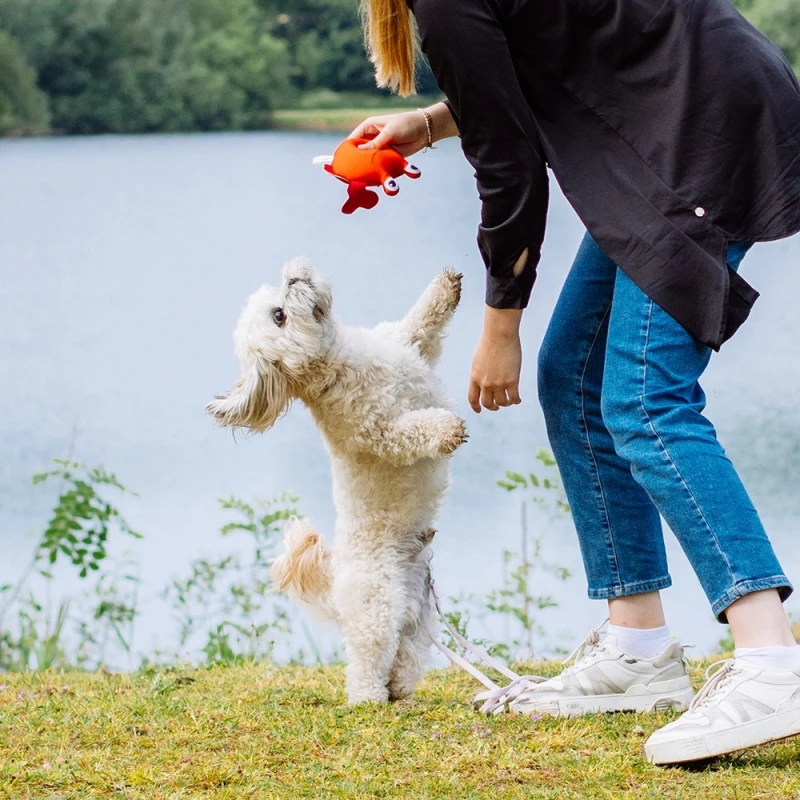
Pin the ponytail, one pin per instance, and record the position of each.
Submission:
(391, 43)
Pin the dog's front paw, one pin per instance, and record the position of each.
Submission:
(454, 435)
(449, 285)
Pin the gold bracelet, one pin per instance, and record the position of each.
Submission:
(429, 126)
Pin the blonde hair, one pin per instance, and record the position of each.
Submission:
(391, 43)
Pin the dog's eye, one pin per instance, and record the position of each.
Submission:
(278, 317)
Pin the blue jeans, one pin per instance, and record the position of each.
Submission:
(618, 383)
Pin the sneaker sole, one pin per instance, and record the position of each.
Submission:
(719, 743)
(638, 699)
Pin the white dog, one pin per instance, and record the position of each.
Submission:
(390, 431)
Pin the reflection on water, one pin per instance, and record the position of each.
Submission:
(125, 263)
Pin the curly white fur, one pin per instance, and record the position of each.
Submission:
(389, 429)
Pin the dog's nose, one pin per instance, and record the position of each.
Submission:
(293, 281)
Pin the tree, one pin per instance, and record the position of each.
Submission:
(237, 71)
(778, 20)
(23, 108)
(136, 66)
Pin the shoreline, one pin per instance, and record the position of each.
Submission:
(319, 120)
(338, 120)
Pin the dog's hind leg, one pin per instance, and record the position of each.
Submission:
(409, 663)
(415, 641)
(367, 601)
(425, 323)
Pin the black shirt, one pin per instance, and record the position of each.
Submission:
(672, 126)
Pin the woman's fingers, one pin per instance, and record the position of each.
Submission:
(501, 398)
(488, 399)
(383, 138)
(496, 365)
(366, 128)
(474, 396)
(491, 398)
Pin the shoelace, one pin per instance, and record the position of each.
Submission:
(497, 700)
(590, 643)
(717, 675)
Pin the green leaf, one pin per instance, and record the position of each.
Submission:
(238, 526)
(516, 478)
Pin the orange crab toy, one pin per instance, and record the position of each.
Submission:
(361, 169)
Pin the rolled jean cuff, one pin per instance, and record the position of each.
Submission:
(779, 582)
(628, 589)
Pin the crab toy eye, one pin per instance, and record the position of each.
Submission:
(412, 171)
(390, 187)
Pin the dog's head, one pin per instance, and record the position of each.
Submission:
(281, 332)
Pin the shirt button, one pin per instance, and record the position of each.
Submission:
(699, 211)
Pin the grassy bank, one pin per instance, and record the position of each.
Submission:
(340, 120)
(269, 733)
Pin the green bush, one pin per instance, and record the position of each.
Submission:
(23, 107)
(778, 20)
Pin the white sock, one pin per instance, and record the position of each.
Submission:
(774, 657)
(640, 643)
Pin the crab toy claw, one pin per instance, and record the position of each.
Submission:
(391, 187)
(363, 170)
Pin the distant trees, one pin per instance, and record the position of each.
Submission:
(23, 107)
(125, 66)
(779, 20)
(151, 65)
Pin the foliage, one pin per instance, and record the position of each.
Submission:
(778, 20)
(125, 66)
(224, 607)
(137, 66)
(23, 107)
(256, 732)
(516, 598)
(516, 606)
(76, 538)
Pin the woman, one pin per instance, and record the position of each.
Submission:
(673, 128)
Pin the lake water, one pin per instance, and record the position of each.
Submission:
(125, 263)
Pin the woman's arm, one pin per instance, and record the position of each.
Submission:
(496, 365)
(468, 51)
(407, 131)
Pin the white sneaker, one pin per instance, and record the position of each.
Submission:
(603, 678)
(739, 706)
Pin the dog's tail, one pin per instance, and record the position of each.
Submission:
(304, 570)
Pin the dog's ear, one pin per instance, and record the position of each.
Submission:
(256, 401)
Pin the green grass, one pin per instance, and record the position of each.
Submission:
(263, 732)
(341, 120)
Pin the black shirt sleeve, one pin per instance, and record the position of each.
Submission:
(469, 56)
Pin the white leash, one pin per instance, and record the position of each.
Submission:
(495, 700)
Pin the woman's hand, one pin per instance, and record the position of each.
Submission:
(407, 131)
(496, 365)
